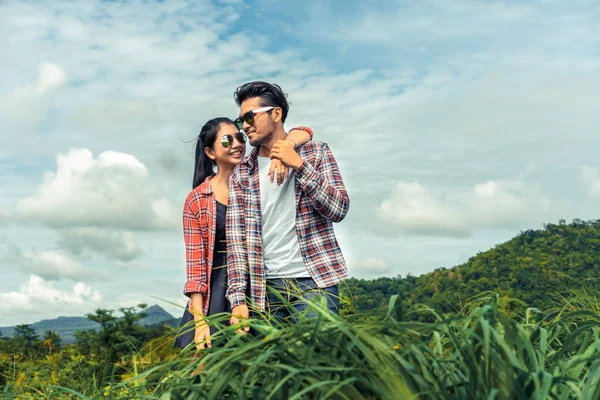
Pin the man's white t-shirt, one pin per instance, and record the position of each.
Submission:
(281, 249)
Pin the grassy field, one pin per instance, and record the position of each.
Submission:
(481, 352)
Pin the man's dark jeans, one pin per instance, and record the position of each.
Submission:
(297, 293)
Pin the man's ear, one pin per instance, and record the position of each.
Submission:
(209, 153)
(277, 114)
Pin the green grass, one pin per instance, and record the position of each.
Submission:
(482, 352)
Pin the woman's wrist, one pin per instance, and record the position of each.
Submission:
(293, 142)
(200, 322)
(198, 315)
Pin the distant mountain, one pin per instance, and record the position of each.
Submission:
(155, 315)
(67, 326)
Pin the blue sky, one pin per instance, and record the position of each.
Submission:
(456, 124)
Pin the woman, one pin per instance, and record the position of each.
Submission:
(219, 144)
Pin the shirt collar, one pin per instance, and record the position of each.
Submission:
(251, 160)
(206, 188)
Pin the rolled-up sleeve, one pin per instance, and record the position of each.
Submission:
(195, 263)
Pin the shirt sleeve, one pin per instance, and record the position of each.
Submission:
(195, 263)
(237, 259)
(324, 185)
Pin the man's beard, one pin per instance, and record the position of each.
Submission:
(260, 141)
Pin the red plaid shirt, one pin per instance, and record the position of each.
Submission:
(321, 199)
(199, 227)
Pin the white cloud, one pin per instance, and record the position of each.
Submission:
(51, 77)
(113, 245)
(113, 190)
(397, 24)
(4, 215)
(415, 209)
(369, 267)
(38, 294)
(589, 176)
(26, 103)
(53, 265)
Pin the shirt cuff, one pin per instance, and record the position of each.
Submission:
(195, 287)
(236, 298)
(306, 175)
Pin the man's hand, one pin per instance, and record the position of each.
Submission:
(277, 168)
(240, 314)
(284, 151)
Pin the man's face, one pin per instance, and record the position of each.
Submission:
(263, 127)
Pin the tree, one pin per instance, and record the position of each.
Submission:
(51, 341)
(26, 333)
(117, 337)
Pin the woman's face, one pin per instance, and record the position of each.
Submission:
(229, 147)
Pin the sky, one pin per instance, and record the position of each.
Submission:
(456, 124)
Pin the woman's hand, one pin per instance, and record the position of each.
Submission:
(202, 335)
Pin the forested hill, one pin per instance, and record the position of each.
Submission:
(534, 267)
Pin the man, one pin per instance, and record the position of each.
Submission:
(282, 237)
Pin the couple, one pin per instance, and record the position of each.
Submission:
(245, 233)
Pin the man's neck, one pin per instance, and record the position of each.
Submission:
(265, 149)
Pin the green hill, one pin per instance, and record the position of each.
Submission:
(537, 266)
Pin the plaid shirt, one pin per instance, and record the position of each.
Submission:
(199, 227)
(321, 199)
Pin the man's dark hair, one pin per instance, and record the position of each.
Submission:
(270, 94)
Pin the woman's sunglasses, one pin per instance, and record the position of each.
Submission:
(227, 140)
(249, 117)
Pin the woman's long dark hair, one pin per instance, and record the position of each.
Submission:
(203, 167)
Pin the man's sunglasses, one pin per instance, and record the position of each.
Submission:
(249, 117)
(227, 140)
